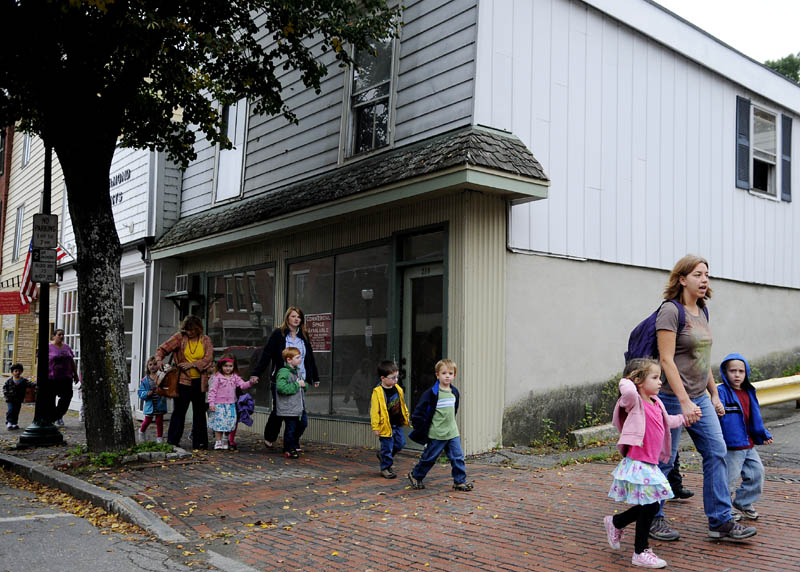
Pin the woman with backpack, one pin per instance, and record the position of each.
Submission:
(684, 347)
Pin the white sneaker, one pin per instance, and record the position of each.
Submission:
(159, 440)
(224, 446)
(218, 445)
(8, 425)
(647, 559)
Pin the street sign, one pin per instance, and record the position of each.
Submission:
(43, 265)
(45, 231)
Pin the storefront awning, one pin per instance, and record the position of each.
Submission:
(472, 158)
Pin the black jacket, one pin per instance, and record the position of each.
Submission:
(423, 413)
(271, 359)
(15, 392)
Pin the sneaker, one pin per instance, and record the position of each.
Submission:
(268, 444)
(463, 486)
(15, 427)
(218, 445)
(233, 446)
(682, 494)
(732, 530)
(647, 559)
(294, 454)
(60, 422)
(159, 440)
(660, 530)
(224, 446)
(735, 516)
(388, 474)
(9, 426)
(613, 533)
(415, 483)
(748, 513)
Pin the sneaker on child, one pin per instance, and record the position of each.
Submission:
(613, 533)
(648, 559)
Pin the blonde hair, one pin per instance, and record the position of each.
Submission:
(448, 363)
(289, 353)
(637, 369)
(682, 268)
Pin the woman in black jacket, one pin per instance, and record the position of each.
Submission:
(291, 333)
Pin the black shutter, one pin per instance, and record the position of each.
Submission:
(786, 158)
(742, 143)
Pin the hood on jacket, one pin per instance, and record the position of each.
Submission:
(746, 383)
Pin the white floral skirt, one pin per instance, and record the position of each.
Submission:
(224, 417)
(637, 482)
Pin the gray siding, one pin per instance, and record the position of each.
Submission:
(198, 179)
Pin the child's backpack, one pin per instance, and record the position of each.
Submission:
(643, 342)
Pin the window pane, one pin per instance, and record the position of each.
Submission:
(764, 132)
(128, 346)
(377, 92)
(311, 289)
(374, 68)
(127, 319)
(243, 334)
(423, 246)
(127, 293)
(360, 327)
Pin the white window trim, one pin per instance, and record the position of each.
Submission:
(346, 126)
(776, 196)
(26, 150)
(17, 247)
(13, 344)
(219, 154)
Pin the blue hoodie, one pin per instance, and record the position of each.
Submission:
(733, 427)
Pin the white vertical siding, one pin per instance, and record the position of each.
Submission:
(637, 139)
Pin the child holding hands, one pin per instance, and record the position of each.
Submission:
(155, 406)
(222, 400)
(644, 439)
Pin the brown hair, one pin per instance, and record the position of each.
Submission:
(448, 363)
(192, 323)
(228, 357)
(285, 324)
(682, 268)
(637, 369)
(289, 353)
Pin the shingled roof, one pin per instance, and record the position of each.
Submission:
(471, 146)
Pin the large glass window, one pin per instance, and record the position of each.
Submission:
(346, 301)
(240, 323)
(69, 322)
(371, 97)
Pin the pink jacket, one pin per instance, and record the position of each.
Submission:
(223, 389)
(629, 419)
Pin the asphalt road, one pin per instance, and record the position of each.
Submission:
(36, 537)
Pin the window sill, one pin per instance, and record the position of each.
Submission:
(762, 195)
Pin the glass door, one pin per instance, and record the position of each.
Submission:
(422, 328)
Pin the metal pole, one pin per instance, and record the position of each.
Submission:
(42, 432)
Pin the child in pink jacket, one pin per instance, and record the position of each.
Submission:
(644, 439)
(222, 400)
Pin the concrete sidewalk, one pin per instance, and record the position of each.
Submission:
(330, 510)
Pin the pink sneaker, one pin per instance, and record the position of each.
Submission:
(613, 533)
(647, 559)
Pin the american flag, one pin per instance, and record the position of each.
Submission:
(28, 292)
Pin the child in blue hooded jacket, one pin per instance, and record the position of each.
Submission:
(742, 428)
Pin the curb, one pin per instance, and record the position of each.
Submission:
(127, 509)
(586, 437)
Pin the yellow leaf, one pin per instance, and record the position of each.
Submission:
(334, 553)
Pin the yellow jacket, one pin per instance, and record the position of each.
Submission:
(379, 413)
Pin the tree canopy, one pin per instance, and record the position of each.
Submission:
(788, 66)
(85, 74)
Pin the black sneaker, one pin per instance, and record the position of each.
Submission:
(683, 494)
(415, 483)
(732, 530)
(660, 530)
(463, 486)
(388, 474)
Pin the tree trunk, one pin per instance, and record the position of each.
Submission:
(104, 369)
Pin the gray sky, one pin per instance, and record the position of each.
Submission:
(761, 29)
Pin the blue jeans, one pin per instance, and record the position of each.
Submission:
(432, 451)
(706, 435)
(390, 446)
(12, 414)
(747, 464)
(294, 427)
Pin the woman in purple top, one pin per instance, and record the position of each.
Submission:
(62, 372)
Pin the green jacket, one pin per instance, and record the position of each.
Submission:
(290, 400)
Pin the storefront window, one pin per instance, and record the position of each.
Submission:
(241, 326)
(346, 302)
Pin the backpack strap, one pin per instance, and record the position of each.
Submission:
(682, 315)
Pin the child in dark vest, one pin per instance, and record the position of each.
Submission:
(290, 404)
(14, 392)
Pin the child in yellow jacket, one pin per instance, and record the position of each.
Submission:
(388, 414)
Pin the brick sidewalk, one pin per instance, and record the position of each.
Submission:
(330, 510)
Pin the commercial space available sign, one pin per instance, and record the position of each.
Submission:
(11, 303)
(319, 327)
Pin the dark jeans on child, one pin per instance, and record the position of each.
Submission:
(12, 414)
(390, 446)
(189, 394)
(432, 451)
(293, 430)
(643, 515)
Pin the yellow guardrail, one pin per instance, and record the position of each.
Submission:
(778, 390)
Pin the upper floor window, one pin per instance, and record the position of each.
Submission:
(371, 98)
(230, 162)
(26, 150)
(763, 150)
(18, 234)
(2, 151)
